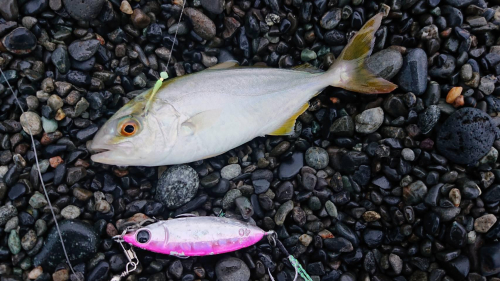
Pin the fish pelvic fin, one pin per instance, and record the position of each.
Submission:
(289, 125)
(349, 71)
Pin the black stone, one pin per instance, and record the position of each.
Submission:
(466, 136)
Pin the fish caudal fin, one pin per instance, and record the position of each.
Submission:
(349, 70)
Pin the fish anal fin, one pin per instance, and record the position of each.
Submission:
(289, 125)
(225, 65)
(200, 121)
(307, 67)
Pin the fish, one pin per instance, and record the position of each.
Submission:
(195, 236)
(202, 115)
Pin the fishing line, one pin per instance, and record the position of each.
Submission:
(78, 276)
(176, 30)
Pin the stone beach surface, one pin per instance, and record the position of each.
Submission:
(403, 186)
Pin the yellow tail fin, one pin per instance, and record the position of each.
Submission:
(349, 70)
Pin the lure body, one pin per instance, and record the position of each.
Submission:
(195, 236)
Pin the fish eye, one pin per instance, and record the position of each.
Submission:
(142, 236)
(129, 128)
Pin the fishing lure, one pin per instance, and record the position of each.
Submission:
(196, 236)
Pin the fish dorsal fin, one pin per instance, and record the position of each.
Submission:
(288, 126)
(225, 65)
(200, 122)
(306, 67)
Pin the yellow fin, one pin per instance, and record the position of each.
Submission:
(225, 65)
(288, 126)
(349, 71)
(307, 67)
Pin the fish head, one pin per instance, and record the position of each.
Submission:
(134, 136)
(152, 237)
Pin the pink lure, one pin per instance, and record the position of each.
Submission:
(195, 236)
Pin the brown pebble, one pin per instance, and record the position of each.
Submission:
(335, 100)
(111, 230)
(455, 196)
(140, 19)
(459, 101)
(120, 173)
(82, 163)
(60, 115)
(325, 234)
(61, 275)
(370, 216)
(35, 272)
(55, 161)
(202, 25)
(484, 223)
(126, 8)
(453, 94)
(50, 137)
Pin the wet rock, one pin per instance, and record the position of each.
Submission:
(291, 166)
(31, 123)
(466, 136)
(83, 50)
(429, 118)
(489, 259)
(231, 171)
(369, 120)
(282, 212)
(9, 10)
(140, 19)
(83, 9)
(386, 63)
(19, 41)
(177, 186)
(484, 223)
(213, 6)
(459, 267)
(78, 236)
(202, 25)
(230, 269)
(343, 127)
(6, 213)
(317, 158)
(413, 74)
(414, 193)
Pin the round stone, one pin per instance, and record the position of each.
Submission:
(31, 121)
(229, 172)
(231, 269)
(20, 41)
(317, 158)
(177, 186)
(83, 9)
(466, 136)
(369, 120)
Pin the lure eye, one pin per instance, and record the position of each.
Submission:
(143, 236)
(129, 128)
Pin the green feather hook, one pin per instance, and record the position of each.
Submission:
(163, 76)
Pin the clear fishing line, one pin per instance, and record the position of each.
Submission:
(78, 276)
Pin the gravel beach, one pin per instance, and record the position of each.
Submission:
(402, 186)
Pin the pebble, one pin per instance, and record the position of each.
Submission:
(83, 50)
(177, 186)
(413, 74)
(31, 122)
(229, 172)
(213, 6)
(414, 193)
(369, 120)
(386, 63)
(202, 25)
(14, 242)
(38, 200)
(317, 158)
(70, 212)
(19, 41)
(6, 213)
(230, 269)
(83, 10)
(77, 235)
(466, 136)
(283, 212)
(489, 259)
(484, 223)
(429, 118)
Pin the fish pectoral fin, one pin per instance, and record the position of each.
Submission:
(225, 65)
(200, 122)
(289, 125)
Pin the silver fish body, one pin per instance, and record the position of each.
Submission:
(205, 114)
